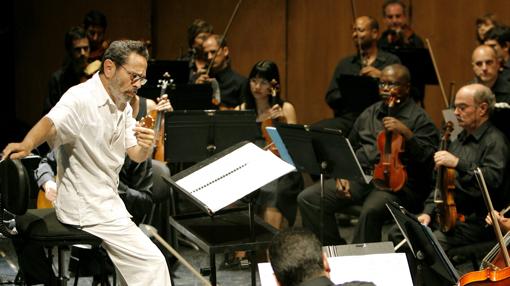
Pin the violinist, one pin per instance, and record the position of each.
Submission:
(368, 61)
(221, 76)
(278, 198)
(197, 32)
(398, 33)
(420, 138)
(482, 145)
(72, 71)
(95, 25)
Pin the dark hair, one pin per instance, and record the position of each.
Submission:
(222, 42)
(198, 26)
(94, 17)
(372, 22)
(119, 51)
(267, 70)
(296, 256)
(75, 33)
(499, 33)
(391, 2)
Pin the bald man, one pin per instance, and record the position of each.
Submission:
(482, 145)
(365, 32)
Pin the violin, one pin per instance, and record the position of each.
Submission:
(158, 118)
(389, 173)
(498, 271)
(269, 121)
(446, 215)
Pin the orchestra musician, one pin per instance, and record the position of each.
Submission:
(398, 33)
(95, 25)
(368, 61)
(499, 39)
(278, 198)
(420, 140)
(483, 25)
(197, 32)
(482, 145)
(229, 83)
(486, 69)
(93, 128)
(72, 72)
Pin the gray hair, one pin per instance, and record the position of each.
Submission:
(483, 94)
(119, 51)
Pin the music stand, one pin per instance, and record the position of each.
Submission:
(324, 152)
(178, 70)
(419, 63)
(358, 92)
(195, 135)
(191, 97)
(423, 244)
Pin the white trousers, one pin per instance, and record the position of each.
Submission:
(136, 258)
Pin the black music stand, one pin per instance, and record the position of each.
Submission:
(324, 152)
(217, 182)
(423, 244)
(191, 97)
(178, 71)
(193, 135)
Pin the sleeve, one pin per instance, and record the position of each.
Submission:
(46, 169)
(66, 117)
(130, 139)
(424, 142)
(333, 96)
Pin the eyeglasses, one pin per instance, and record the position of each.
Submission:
(389, 84)
(135, 77)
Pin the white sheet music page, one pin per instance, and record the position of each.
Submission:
(234, 176)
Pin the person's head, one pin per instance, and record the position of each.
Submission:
(198, 31)
(95, 26)
(395, 82)
(296, 256)
(365, 30)
(77, 47)
(499, 39)
(394, 13)
(123, 70)
(263, 77)
(473, 105)
(484, 24)
(215, 43)
(485, 65)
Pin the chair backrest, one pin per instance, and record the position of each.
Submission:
(14, 187)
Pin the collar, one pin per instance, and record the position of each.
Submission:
(477, 135)
(402, 110)
(102, 96)
(381, 57)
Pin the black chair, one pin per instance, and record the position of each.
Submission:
(35, 226)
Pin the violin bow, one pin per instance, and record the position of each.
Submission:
(222, 39)
(358, 40)
(437, 72)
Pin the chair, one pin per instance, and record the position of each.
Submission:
(35, 226)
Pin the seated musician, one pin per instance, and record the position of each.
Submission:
(279, 196)
(297, 258)
(398, 33)
(482, 145)
(504, 222)
(368, 61)
(420, 138)
(226, 83)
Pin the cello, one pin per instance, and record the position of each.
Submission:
(446, 215)
(389, 173)
(498, 271)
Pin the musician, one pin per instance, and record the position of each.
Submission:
(95, 25)
(230, 83)
(483, 25)
(93, 129)
(479, 144)
(369, 61)
(72, 72)
(297, 258)
(499, 39)
(197, 32)
(421, 138)
(398, 33)
(486, 69)
(278, 198)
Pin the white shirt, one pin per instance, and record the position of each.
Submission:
(92, 138)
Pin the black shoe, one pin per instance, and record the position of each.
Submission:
(235, 263)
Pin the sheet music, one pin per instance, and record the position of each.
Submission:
(369, 268)
(448, 115)
(234, 176)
